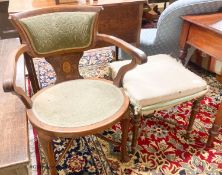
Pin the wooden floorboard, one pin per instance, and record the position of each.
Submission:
(13, 124)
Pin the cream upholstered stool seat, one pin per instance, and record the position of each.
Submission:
(160, 83)
(77, 103)
(160, 80)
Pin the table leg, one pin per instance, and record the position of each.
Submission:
(183, 53)
(214, 131)
(125, 122)
(183, 39)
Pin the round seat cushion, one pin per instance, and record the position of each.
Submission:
(77, 103)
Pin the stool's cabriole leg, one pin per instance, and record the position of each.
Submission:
(125, 122)
(194, 111)
(136, 124)
(214, 131)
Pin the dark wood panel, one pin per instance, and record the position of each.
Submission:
(121, 21)
(124, 24)
(6, 28)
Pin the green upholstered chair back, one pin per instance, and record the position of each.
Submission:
(58, 31)
(60, 34)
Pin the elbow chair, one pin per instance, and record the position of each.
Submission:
(73, 107)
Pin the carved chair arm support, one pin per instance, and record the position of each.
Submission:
(9, 82)
(138, 56)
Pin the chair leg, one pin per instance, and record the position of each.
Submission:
(194, 111)
(136, 124)
(214, 131)
(117, 53)
(125, 130)
(46, 143)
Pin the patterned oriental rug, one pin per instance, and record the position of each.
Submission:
(161, 148)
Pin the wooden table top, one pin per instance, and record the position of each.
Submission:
(209, 21)
(23, 5)
(13, 123)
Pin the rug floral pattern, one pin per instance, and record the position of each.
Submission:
(162, 148)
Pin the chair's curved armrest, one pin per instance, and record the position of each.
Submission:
(138, 56)
(9, 79)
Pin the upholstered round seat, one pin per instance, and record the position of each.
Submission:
(77, 103)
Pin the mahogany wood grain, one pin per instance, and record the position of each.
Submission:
(14, 152)
(205, 20)
(208, 41)
(200, 32)
(125, 23)
(183, 39)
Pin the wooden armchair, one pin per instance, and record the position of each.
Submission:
(74, 106)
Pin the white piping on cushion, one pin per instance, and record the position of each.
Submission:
(160, 106)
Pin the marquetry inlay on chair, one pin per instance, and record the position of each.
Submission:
(66, 67)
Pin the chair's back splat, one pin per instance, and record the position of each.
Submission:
(59, 35)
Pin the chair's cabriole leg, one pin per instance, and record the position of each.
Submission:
(125, 122)
(46, 143)
(136, 124)
(194, 111)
